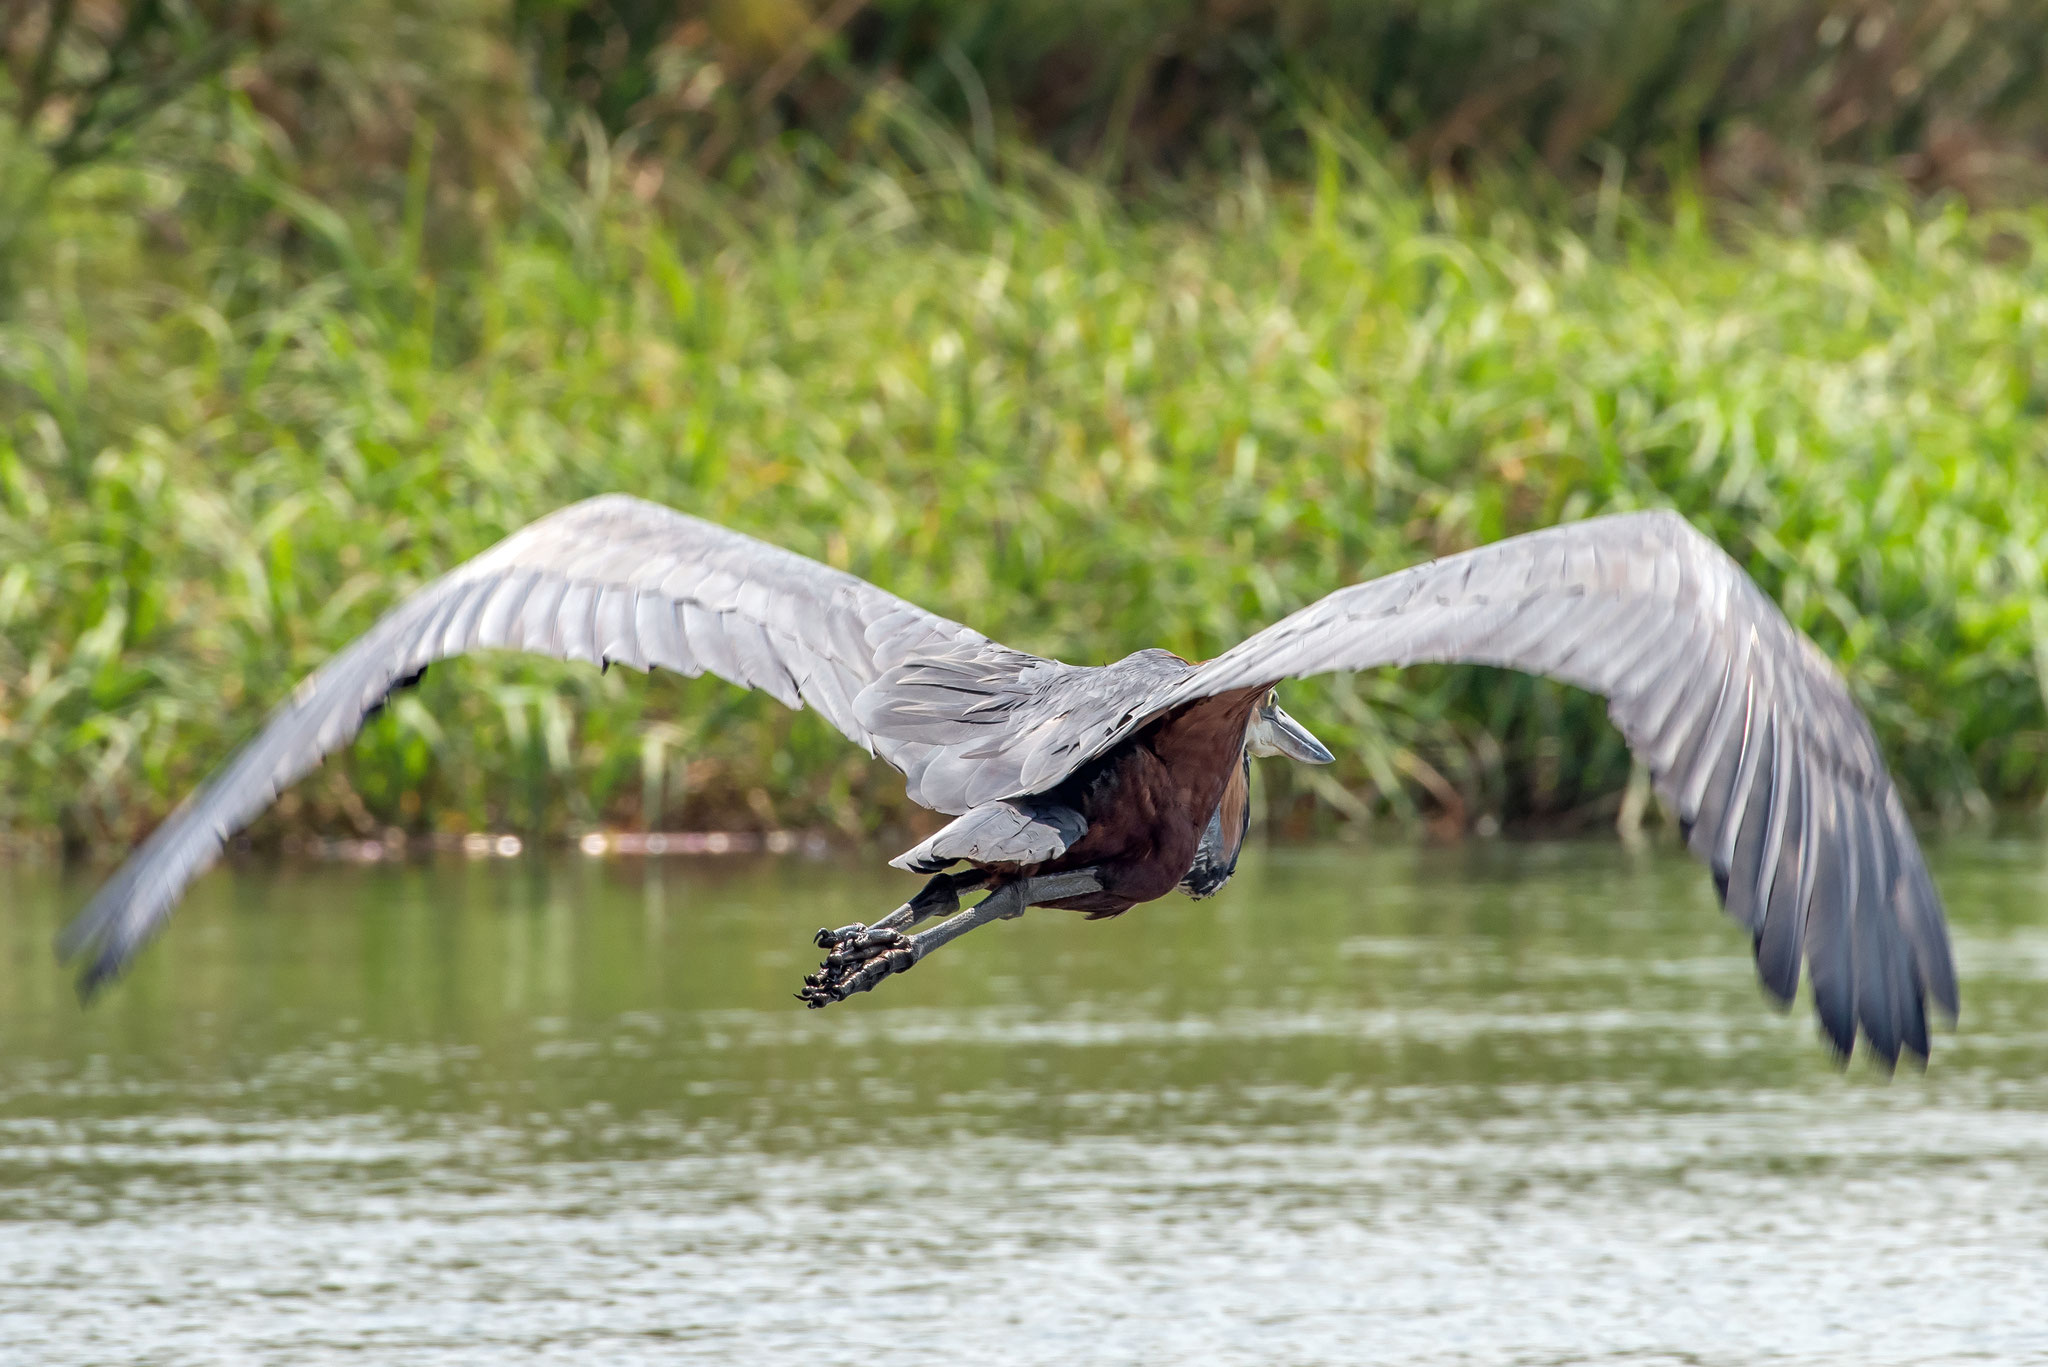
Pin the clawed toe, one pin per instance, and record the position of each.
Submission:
(856, 958)
(856, 965)
(866, 945)
(859, 956)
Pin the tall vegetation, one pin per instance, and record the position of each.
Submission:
(249, 396)
(1768, 99)
(1771, 98)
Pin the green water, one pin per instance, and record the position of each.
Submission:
(1493, 1104)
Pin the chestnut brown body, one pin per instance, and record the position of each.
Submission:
(1148, 801)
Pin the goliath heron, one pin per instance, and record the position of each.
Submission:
(1095, 789)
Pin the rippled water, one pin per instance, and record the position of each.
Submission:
(1497, 1104)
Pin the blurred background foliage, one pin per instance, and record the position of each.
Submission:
(1767, 99)
(1097, 326)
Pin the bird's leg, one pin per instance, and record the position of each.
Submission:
(940, 897)
(861, 956)
(859, 962)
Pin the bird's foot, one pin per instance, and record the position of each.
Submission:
(858, 957)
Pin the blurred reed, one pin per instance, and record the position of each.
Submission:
(237, 421)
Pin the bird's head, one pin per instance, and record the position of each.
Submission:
(1273, 732)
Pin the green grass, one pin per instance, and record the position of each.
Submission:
(236, 424)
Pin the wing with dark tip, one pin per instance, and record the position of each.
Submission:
(610, 580)
(1748, 733)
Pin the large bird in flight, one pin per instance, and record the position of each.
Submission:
(1096, 789)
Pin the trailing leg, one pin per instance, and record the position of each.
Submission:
(939, 897)
(858, 961)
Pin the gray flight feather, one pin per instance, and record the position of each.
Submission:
(1748, 732)
(610, 580)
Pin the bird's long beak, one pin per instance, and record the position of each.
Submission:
(1290, 738)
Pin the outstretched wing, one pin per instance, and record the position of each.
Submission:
(1748, 733)
(610, 580)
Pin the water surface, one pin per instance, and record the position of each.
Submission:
(1494, 1104)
